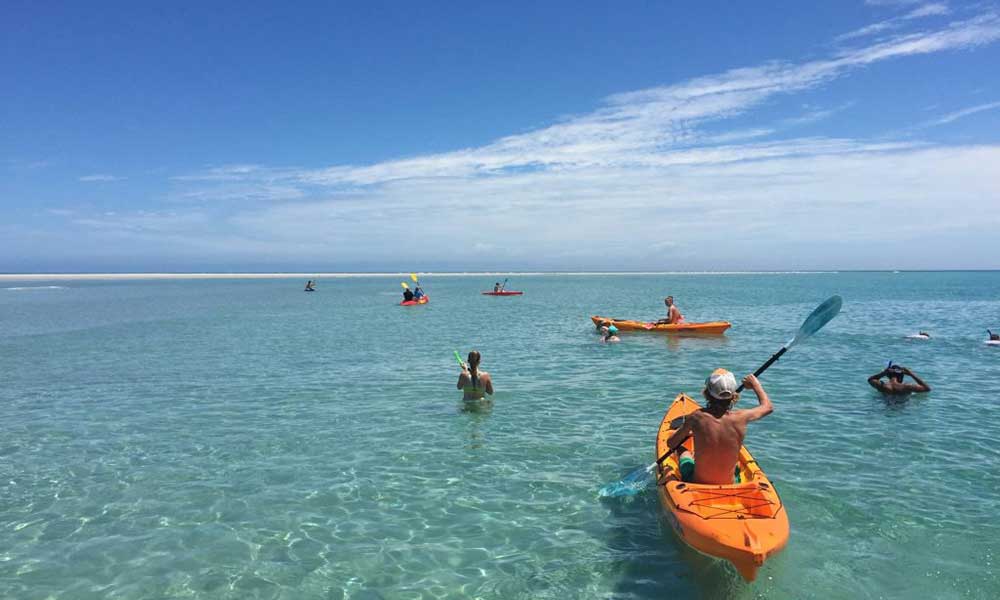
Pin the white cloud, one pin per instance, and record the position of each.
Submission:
(933, 9)
(958, 114)
(100, 178)
(646, 174)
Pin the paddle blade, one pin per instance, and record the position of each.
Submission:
(823, 314)
(403, 283)
(413, 276)
(632, 484)
(458, 357)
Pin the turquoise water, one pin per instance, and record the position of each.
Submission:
(242, 439)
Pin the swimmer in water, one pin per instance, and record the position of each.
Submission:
(473, 382)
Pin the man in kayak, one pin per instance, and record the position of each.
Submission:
(418, 293)
(674, 315)
(407, 295)
(473, 382)
(718, 432)
(309, 286)
(893, 385)
(496, 287)
(994, 337)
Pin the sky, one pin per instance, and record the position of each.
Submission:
(565, 136)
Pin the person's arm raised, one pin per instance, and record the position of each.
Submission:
(764, 406)
(876, 380)
(921, 385)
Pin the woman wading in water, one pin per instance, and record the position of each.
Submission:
(473, 382)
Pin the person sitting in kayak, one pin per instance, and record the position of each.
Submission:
(473, 382)
(674, 316)
(718, 432)
(893, 385)
(309, 286)
(407, 295)
(496, 287)
(418, 293)
(994, 337)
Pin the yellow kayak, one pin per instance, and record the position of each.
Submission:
(711, 328)
(744, 523)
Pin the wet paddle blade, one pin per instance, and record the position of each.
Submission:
(413, 276)
(630, 485)
(823, 314)
(403, 283)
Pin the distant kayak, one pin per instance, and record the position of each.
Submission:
(744, 523)
(502, 293)
(992, 342)
(423, 300)
(917, 336)
(713, 327)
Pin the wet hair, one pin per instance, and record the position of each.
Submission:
(473, 360)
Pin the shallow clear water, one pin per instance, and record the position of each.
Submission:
(242, 439)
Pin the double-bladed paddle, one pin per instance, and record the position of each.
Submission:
(823, 314)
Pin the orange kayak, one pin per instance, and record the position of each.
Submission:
(744, 523)
(714, 327)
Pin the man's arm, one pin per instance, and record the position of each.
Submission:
(920, 387)
(683, 432)
(876, 380)
(763, 407)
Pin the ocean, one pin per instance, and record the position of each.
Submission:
(238, 438)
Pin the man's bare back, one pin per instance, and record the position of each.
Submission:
(718, 433)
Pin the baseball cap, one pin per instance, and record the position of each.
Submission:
(721, 384)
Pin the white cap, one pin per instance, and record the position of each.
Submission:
(721, 385)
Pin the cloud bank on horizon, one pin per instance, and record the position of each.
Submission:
(698, 174)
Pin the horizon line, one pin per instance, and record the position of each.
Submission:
(375, 274)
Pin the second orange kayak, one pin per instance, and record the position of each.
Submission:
(714, 327)
(744, 523)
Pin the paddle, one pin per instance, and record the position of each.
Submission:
(458, 357)
(823, 314)
(504, 284)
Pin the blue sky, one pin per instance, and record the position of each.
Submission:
(554, 136)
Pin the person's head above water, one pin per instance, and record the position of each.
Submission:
(668, 300)
(473, 359)
(896, 373)
(720, 388)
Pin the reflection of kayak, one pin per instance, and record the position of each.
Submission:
(713, 327)
(502, 293)
(744, 523)
(423, 300)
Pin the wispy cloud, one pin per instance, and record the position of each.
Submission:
(958, 114)
(100, 178)
(648, 172)
(927, 10)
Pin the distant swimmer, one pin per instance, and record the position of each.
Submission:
(674, 315)
(609, 334)
(310, 286)
(407, 295)
(893, 384)
(473, 382)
